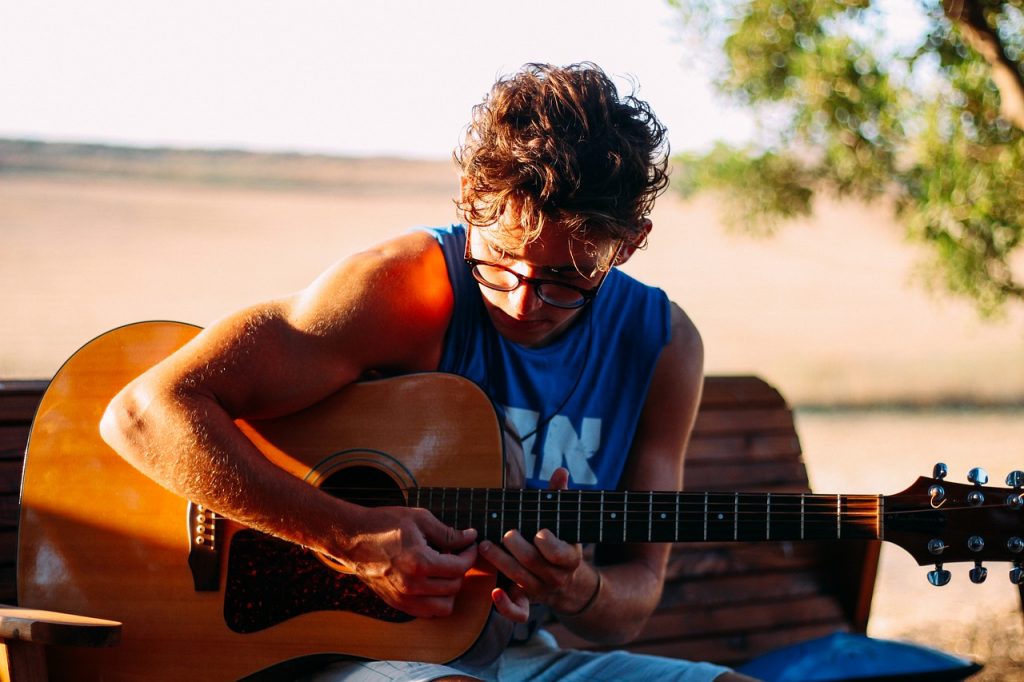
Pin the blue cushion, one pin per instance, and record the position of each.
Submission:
(845, 657)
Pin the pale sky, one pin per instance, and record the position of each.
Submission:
(358, 78)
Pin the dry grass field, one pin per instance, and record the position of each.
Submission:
(827, 311)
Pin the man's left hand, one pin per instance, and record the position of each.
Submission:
(543, 571)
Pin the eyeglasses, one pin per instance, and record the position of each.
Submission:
(553, 292)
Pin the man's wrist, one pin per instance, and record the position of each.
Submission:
(589, 603)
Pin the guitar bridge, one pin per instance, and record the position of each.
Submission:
(204, 547)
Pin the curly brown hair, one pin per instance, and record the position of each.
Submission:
(559, 143)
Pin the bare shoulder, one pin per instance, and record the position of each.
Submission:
(683, 358)
(385, 309)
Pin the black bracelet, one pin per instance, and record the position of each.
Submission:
(590, 602)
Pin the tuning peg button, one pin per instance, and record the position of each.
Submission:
(978, 573)
(940, 471)
(977, 476)
(1017, 575)
(939, 576)
(1015, 479)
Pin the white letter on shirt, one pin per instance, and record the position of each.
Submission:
(564, 445)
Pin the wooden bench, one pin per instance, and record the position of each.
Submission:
(723, 602)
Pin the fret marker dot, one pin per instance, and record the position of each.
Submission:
(721, 517)
(494, 515)
(664, 516)
(613, 515)
(549, 496)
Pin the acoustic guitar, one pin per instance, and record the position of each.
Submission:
(204, 598)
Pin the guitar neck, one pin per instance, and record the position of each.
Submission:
(631, 516)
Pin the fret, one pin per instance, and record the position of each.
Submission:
(675, 536)
(600, 528)
(455, 520)
(803, 517)
(650, 515)
(705, 516)
(768, 517)
(625, 514)
(440, 514)
(539, 526)
(879, 511)
(839, 517)
(736, 516)
(487, 510)
(558, 515)
(579, 515)
(519, 525)
(501, 525)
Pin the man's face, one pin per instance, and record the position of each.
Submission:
(520, 315)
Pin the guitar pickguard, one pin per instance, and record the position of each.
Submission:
(270, 581)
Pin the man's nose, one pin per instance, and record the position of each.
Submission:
(523, 300)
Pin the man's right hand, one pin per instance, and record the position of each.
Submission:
(411, 560)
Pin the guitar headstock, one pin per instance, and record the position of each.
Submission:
(940, 522)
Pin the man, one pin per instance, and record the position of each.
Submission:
(558, 176)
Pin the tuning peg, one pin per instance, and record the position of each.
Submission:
(978, 573)
(939, 471)
(939, 577)
(1017, 575)
(1015, 500)
(977, 476)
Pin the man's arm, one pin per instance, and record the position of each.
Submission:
(550, 571)
(384, 309)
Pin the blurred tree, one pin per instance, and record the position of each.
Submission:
(933, 122)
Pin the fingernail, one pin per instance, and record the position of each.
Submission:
(485, 546)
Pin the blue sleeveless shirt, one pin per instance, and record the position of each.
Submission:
(575, 402)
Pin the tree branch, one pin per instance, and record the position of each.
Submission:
(969, 17)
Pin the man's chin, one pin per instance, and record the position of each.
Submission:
(528, 333)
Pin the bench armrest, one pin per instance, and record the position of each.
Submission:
(51, 627)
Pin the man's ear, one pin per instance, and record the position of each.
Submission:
(629, 248)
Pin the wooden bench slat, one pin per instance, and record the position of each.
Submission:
(721, 421)
(766, 446)
(736, 390)
(748, 477)
(13, 438)
(743, 587)
(698, 621)
(19, 399)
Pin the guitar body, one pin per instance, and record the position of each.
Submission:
(98, 538)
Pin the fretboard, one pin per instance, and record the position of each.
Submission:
(618, 517)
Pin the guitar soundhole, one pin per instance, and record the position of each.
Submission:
(270, 581)
(365, 485)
